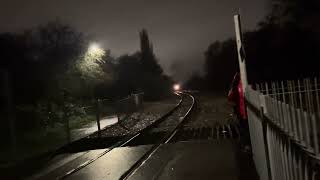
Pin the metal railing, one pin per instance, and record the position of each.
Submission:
(284, 128)
(122, 107)
(55, 126)
(118, 108)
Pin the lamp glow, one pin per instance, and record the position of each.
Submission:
(176, 87)
(94, 48)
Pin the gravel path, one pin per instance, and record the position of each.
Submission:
(150, 112)
(176, 117)
(211, 109)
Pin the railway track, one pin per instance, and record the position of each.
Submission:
(175, 119)
(180, 118)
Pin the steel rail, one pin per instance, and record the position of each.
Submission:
(155, 147)
(123, 142)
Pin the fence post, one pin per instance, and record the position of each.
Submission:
(10, 110)
(265, 141)
(241, 52)
(65, 115)
(98, 116)
(136, 101)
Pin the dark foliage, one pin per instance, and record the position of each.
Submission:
(35, 59)
(285, 46)
(220, 64)
(196, 82)
(34, 62)
(139, 72)
(148, 59)
(45, 75)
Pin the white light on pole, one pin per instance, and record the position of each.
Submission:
(94, 48)
(176, 87)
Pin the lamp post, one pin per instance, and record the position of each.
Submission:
(95, 52)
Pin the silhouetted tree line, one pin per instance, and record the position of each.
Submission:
(285, 46)
(50, 66)
(139, 72)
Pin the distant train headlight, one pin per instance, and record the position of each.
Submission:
(176, 87)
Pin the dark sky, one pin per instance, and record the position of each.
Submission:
(180, 30)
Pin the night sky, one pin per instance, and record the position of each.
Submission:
(180, 30)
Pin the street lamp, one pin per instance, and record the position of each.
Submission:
(94, 48)
(176, 87)
(95, 52)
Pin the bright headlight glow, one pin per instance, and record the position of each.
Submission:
(176, 87)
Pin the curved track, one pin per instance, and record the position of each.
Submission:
(178, 113)
(165, 139)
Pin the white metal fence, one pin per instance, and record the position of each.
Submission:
(284, 129)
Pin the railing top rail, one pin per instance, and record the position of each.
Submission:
(290, 92)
